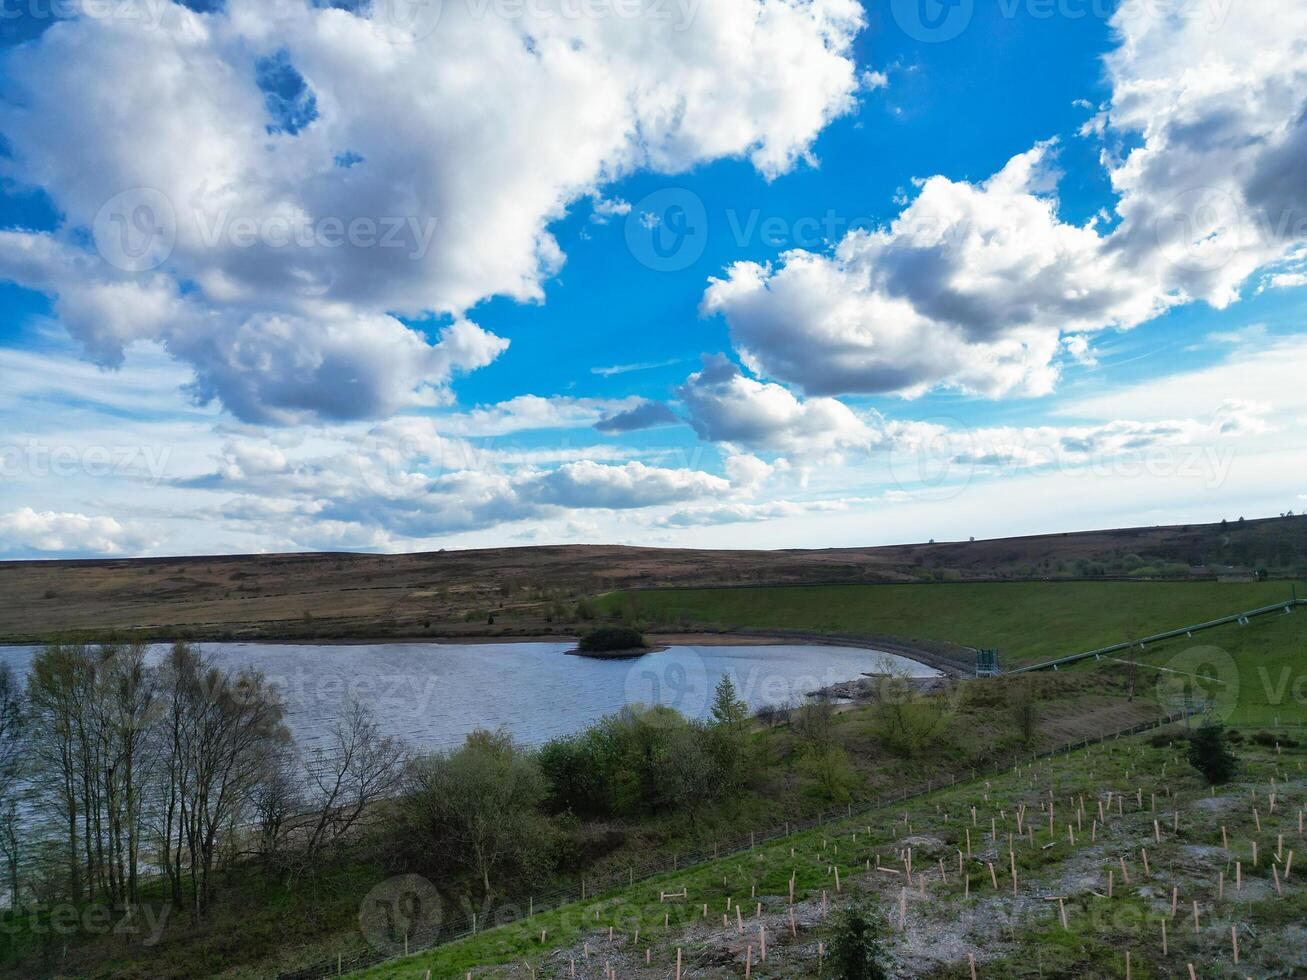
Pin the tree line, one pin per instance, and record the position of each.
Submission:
(117, 766)
(113, 763)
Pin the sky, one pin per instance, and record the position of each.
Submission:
(402, 275)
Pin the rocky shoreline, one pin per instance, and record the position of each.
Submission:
(866, 689)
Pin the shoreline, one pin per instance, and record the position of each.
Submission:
(630, 653)
(949, 666)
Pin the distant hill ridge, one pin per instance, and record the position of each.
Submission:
(544, 589)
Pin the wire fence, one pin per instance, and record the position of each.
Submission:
(469, 923)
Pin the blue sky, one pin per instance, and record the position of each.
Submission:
(720, 273)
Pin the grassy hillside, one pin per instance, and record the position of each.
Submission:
(1034, 621)
(1268, 661)
(1026, 622)
(1070, 911)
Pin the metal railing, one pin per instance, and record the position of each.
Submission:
(1283, 606)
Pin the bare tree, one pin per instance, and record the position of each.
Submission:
(12, 731)
(133, 695)
(1025, 711)
(221, 732)
(277, 799)
(813, 722)
(12, 728)
(54, 687)
(359, 767)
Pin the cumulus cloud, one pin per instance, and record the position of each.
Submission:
(272, 185)
(973, 286)
(970, 287)
(527, 412)
(588, 484)
(728, 407)
(1215, 116)
(404, 478)
(645, 415)
(30, 533)
(279, 368)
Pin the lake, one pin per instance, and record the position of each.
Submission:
(434, 694)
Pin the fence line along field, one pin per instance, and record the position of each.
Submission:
(1117, 860)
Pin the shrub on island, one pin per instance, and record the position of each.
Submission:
(608, 639)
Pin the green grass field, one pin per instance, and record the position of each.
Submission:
(1263, 666)
(1035, 621)
(1025, 621)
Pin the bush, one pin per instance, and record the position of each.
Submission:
(478, 807)
(639, 761)
(833, 777)
(856, 951)
(1209, 753)
(1270, 740)
(609, 638)
(1167, 737)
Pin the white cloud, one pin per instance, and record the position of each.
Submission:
(726, 406)
(873, 80)
(1289, 273)
(741, 513)
(279, 368)
(612, 369)
(1077, 346)
(587, 484)
(423, 178)
(1009, 447)
(604, 209)
(1214, 186)
(971, 287)
(527, 412)
(27, 532)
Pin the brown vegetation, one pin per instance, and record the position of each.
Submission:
(532, 591)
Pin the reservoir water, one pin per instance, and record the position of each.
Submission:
(434, 694)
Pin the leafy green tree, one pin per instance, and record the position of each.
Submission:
(730, 716)
(857, 952)
(1025, 712)
(686, 771)
(1209, 753)
(834, 778)
(728, 709)
(480, 804)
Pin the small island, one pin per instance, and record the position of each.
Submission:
(612, 643)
